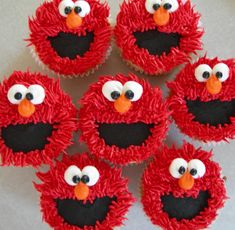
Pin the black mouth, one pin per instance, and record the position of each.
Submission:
(185, 208)
(71, 45)
(124, 135)
(77, 213)
(214, 112)
(157, 42)
(27, 137)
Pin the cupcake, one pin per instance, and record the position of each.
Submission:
(154, 36)
(71, 38)
(183, 189)
(83, 193)
(123, 119)
(202, 99)
(37, 119)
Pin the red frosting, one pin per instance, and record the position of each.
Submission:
(186, 86)
(134, 17)
(110, 184)
(48, 23)
(157, 181)
(57, 110)
(149, 109)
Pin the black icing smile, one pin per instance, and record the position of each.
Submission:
(27, 137)
(185, 208)
(214, 112)
(124, 135)
(71, 45)
(77, 213)
(157, 42)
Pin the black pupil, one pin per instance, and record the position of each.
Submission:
(167, 6)
(182, 170)
(206, 75)
(68, 10)
(77, 9)
(85, 179)
(156, 6)
(193, 172)
(129, 94)
(18, 96)
(115, 95)
(76, 179)
(29, 96)
(219, 75)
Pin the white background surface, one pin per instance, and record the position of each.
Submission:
(18, 200)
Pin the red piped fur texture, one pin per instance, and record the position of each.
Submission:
(109, 184)
(134, 17)
(56, 109)
(186, 86)
(48, 23)
(150, 109)
(157, 181)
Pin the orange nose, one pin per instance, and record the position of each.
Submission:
(161, 16)
(73, 21)
(26, 108)
(186, 182)
(213, 85)
(81, 191)
(122, 104)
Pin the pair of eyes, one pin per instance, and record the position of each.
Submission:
(80, 7)
(203, 72)
(169, 5)
(89, 175)
(132, 90)
(34, 93)
(179, 166)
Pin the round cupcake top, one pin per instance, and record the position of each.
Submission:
(71, 37)
(202, 99)
(83, 193)
(155, 36)
(123, 119)
(36, 119)
(183, 189)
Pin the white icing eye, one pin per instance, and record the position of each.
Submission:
(221, 71)
(82, 8)
(133, 90)
(66, 7)
(90, 175)
(152, 5)
(178, 167)
(72, 175)
(112, 90)
(196, 168)
(35, 94)
(170, 5)
(203, 72)
(16, 93)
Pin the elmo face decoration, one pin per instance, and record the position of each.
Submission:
(183, 189)
(71, 37)
(83, 193)
(37, 119)
(123, 119)
(154, 36)
(203, 100)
